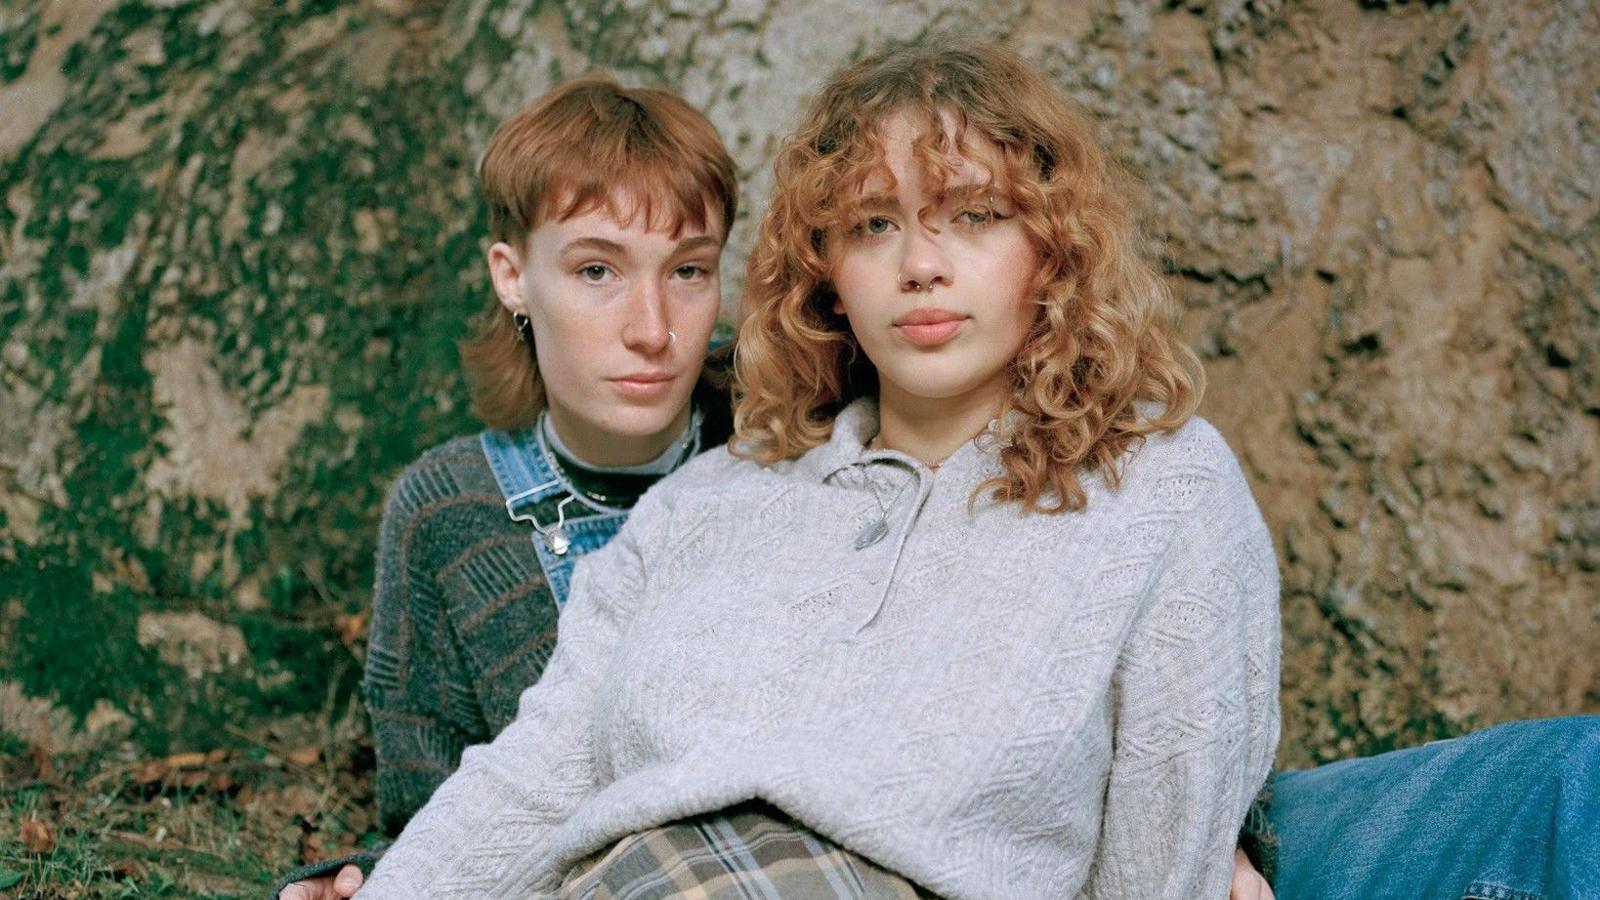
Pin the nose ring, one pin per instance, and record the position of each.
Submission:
(916, 286)
(672, 338)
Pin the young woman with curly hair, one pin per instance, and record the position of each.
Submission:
(975, 605)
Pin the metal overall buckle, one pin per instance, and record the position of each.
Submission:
(555, 536)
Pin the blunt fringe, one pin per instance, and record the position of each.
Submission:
(588, 144)
(1103, 338)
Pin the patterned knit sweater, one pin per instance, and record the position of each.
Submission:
(991, 703)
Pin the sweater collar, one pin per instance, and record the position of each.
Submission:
(857, 424)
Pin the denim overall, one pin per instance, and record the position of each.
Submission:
(566, 525)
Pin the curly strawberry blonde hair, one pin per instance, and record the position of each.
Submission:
(1103, 337)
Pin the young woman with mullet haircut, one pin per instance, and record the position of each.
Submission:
(608, 208)
(975, 607)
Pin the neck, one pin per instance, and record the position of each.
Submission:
(932, 429)
(592, 447)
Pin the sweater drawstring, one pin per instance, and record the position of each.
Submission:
(879, 529)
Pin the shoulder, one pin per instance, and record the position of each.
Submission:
(1192, 479)
(1195, 453)
(716, 470)
(708, 491)
(455, 470)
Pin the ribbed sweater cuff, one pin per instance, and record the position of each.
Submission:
(366, 861)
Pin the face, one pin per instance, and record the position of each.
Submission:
(936, 291)
(621, 315)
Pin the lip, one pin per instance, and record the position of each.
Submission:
(644, 385)
(930, 327)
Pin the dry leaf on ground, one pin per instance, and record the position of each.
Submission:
(352, 628)
(37, 837)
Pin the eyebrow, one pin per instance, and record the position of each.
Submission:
(953, 192)
(970, 189)
(601, 245)
(877, 201)
(698, 242)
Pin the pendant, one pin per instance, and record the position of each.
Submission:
(558, 541)
(872, 534)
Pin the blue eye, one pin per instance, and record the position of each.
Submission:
(976, 216)
(594, 273)
(871, 226)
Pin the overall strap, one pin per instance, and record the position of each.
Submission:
(526, 479)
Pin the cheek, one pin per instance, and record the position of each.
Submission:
(1016, 271)
(853, 287)
(558, 367)
(698, 309)
(566, 344)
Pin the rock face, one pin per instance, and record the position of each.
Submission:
(238, 239)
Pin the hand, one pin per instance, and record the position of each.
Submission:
(345, 884)
(1248, 884)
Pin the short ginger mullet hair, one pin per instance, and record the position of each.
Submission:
(588, 144)
(1103, 334)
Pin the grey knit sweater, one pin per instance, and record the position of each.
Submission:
(991, 703)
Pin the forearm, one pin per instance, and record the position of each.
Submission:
(417, 684)
(416, 751)
(504, 800)
(508, 797)
(1170, 826)
(1196, 700)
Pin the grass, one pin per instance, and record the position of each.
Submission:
(223, 823)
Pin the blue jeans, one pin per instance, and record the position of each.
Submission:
(1507, 813)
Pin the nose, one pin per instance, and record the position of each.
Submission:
(646, 330)
(923, 262)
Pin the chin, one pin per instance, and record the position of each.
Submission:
(938, 383)
(641, 421)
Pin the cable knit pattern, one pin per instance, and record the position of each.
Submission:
(991, 703)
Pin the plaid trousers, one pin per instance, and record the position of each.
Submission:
(747, 852)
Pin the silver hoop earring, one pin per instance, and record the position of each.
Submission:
(672, 338)
(524, 328)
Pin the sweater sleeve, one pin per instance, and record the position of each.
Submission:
(1195, 705)
(495, 815)
(416, 685)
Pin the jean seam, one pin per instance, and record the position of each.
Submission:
(1488, 890)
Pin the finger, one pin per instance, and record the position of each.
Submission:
(348, 881)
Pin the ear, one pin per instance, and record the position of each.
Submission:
(838, 306)
(505, 271)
